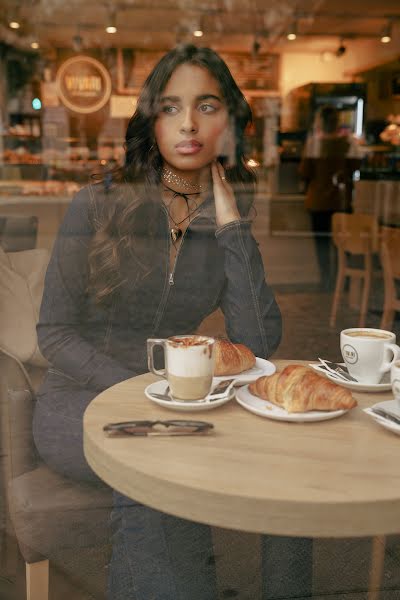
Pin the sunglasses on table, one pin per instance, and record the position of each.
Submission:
(158, 428)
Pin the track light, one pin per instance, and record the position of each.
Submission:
(198, 29)
(292, 32)
(112, 23)
(341, 50)
(255, 49)
(77, 40)
(386, 35)
(77, 43)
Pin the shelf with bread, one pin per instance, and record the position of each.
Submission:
(26, 188)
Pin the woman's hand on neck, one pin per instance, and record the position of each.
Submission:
(225, 203)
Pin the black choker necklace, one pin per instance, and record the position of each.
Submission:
(175, 231)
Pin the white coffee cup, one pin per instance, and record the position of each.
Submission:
(395, 381)
(368, 353)
(189, 364)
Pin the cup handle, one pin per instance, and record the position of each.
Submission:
(387, 362)
(150, 356)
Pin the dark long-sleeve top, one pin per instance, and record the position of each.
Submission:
(97, 347)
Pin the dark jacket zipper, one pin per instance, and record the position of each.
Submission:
(172, 273)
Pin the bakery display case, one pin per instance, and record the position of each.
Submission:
(21, 156)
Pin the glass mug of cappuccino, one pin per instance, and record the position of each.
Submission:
(368, 353)
(189, 364)
(395, 381)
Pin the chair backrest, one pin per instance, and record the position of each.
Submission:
(390, 251)
(16, 406)
(18, 232)
(22, 277)
(17, 449)
(355, 233)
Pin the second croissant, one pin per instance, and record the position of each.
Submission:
(300, 389)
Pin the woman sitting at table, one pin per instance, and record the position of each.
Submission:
(151, 254)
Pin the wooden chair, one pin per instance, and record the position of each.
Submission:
(55, 520)
(390, 258)
(354, 235)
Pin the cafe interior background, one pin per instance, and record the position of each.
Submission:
(70, 75)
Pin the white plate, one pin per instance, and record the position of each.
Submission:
(390, 406)
(262, 367)
(383, 386)
(263, 408)
(159, 387)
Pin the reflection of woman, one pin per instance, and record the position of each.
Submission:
(329, 161)
(151, 255)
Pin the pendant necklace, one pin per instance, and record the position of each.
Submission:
(175, 231)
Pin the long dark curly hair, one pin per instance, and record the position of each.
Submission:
(126, 217)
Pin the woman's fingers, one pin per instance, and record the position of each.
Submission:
(219, 176)
(225, 202)
(221, 171)
(215, 171)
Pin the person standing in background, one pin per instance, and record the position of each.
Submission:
(330, 158)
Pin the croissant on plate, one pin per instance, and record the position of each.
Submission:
(300, 389)
(231, 359)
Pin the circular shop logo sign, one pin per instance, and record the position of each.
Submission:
(83, 84)
(349, 354)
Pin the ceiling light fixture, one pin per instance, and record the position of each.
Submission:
(386, 35)
(14, 24)
(255, 49)
(292, 32)
(198, 29)
(112, 23)
(77, 40)
(77, 43)
(35, 45)
(341, 50)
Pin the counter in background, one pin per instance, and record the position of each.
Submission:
(46, 200)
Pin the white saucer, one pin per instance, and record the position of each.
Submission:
(262, 367)
(263, 408)
(383, 386)
(390, 406)
(159, 387)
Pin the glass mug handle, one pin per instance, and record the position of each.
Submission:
(150, 356)
(390, 349)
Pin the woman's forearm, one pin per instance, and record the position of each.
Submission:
(252, 315)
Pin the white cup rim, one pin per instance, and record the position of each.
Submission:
(368, 329)
(203, 340)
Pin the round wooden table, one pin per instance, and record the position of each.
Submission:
(334, 478)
